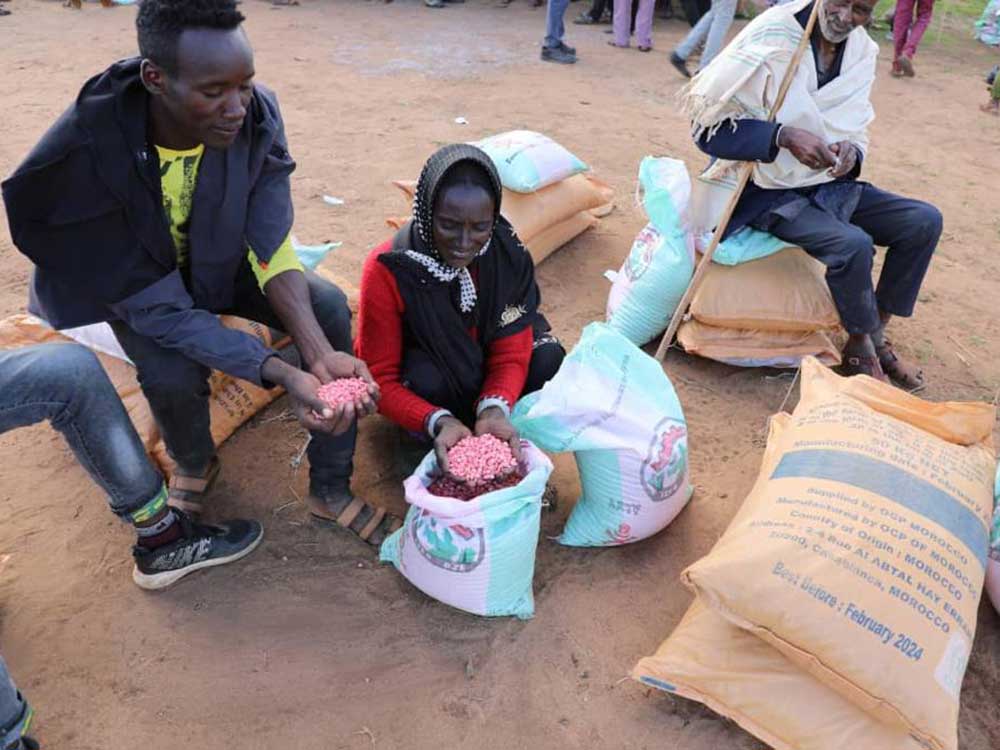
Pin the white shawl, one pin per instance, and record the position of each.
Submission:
(743, 81)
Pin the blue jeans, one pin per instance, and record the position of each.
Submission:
(554, 29)
(65, 384)
(711, 30)
(15, 713)
(177, 388)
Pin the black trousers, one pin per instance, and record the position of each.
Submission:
(178, 391)
(909, 229)
(422, 376)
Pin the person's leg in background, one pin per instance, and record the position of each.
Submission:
(644, 25)
(553, 48)
(901, 22)
(592, 16)
(621, 22)
(15, 715)
(694, 39)
(66, 384)
(925, 11)
(723, 12)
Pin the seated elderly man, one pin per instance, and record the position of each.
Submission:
(805, 187)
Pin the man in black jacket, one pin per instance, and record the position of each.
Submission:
(162, 198)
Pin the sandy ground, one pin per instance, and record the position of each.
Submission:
(309, 643)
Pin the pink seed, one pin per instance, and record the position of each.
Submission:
(476, 460)
(342, 391)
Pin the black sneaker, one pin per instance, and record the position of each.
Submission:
(28, 743)
(558, 55)
(678, 62)
(567, 49)
(200, 546)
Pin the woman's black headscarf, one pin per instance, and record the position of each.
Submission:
(433, 294)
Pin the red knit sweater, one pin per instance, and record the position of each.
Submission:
(380, 345)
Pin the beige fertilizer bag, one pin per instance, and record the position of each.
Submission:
(757, 348)
(737, 675)
(232, 402)
(786, 291)
(710, 660)
(866, 548)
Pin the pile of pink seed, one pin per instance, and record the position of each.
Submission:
(342, 391)
(478, 460)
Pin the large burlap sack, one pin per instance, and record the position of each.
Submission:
(757, 348)
(710, 660)
(658, 268)
(867, 547)
(993, 564)
(232, 401)
(529, 161)
(737, 675)
(786, 291)
(613, 406)
(549, 218)
(476, 555)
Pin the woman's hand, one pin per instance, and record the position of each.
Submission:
(493, 421)
(449, 432)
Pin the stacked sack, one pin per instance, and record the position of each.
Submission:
(547, 197)
(768, 312)
(231, 403)
(866, 537)
(760, 303)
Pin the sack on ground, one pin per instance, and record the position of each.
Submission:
(613, 406)
(656, 272)
(232, 401)
(710, 660)
(743, 348)
(993, 564)
(866, 546)
(528, 161)
(476, 555)
(737, 675)
(782, 292)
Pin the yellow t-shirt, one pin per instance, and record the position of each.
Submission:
(178, 178)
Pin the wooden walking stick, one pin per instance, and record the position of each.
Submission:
(745, 171)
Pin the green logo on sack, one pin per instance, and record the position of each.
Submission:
(665, 468)
(453, 547)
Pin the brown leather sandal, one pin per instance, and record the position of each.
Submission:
(187, 493)
(855, 364)
(358, 516)
(907, 377)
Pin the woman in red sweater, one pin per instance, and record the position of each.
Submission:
(449, 323)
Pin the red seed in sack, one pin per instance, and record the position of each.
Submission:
(342, 391)
(448, 487)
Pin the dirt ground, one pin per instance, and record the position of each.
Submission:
(310, 643)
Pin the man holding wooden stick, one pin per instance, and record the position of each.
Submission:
(804, 187)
